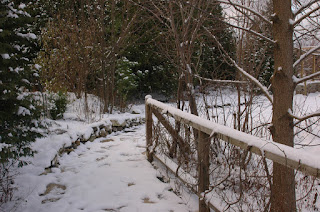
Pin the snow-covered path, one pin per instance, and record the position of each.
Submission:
(109, 174)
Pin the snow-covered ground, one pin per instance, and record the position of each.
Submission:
(109, 174)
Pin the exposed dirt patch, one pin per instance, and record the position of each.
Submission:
(106, 140)
(99, 159)
(131, 184)
(52, 186)
(147, 200)
(114, 210)
(50, 200)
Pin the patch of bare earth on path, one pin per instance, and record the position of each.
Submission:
(55, 190)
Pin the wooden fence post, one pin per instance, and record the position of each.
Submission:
(148, 113)
(204, 164)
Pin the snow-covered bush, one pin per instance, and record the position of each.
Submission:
(126, 80)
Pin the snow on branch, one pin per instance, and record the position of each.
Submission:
(253, 32)
(305, 55)
(221, 81)
(305, 15)
(243, 72)
(303, 118)
(304, 6)
(235, 5)
(311, 76)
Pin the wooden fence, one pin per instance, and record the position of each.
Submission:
(206, 130)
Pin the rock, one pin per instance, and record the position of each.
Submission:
(92, 138)
(95, 129)
(118, 123)
(77, 142)
(46, 171)
(135, 111)
(55, 162)
(103, 133)
(68, 151)
(108, 128)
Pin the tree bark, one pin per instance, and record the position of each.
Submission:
(283, 188)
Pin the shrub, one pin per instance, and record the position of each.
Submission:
(59, 105)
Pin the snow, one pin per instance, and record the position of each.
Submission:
(2, 145)
(291, 22)
(22, 6)
(109, 174)
(12, 15)
(27, 35)
(23, 111)
(37, 66)
(5, 56)
(97, 176)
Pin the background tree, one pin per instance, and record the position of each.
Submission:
(90, 43)
(186, 45)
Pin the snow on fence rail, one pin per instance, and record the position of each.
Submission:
(298, 159)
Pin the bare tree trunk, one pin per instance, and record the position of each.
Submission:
(103, 59)
(283, 188)
(113, 57)
(104, 86)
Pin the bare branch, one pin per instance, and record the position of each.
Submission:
(305, 55)
(246, 8)
(159, 17)
(253, 32)
(301, 119)
(243, 72)
(311, 76)
(305, 15)
(306, 32)
(303, 7)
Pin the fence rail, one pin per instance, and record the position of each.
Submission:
(206, 130)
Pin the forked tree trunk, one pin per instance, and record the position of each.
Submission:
(283, 188)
